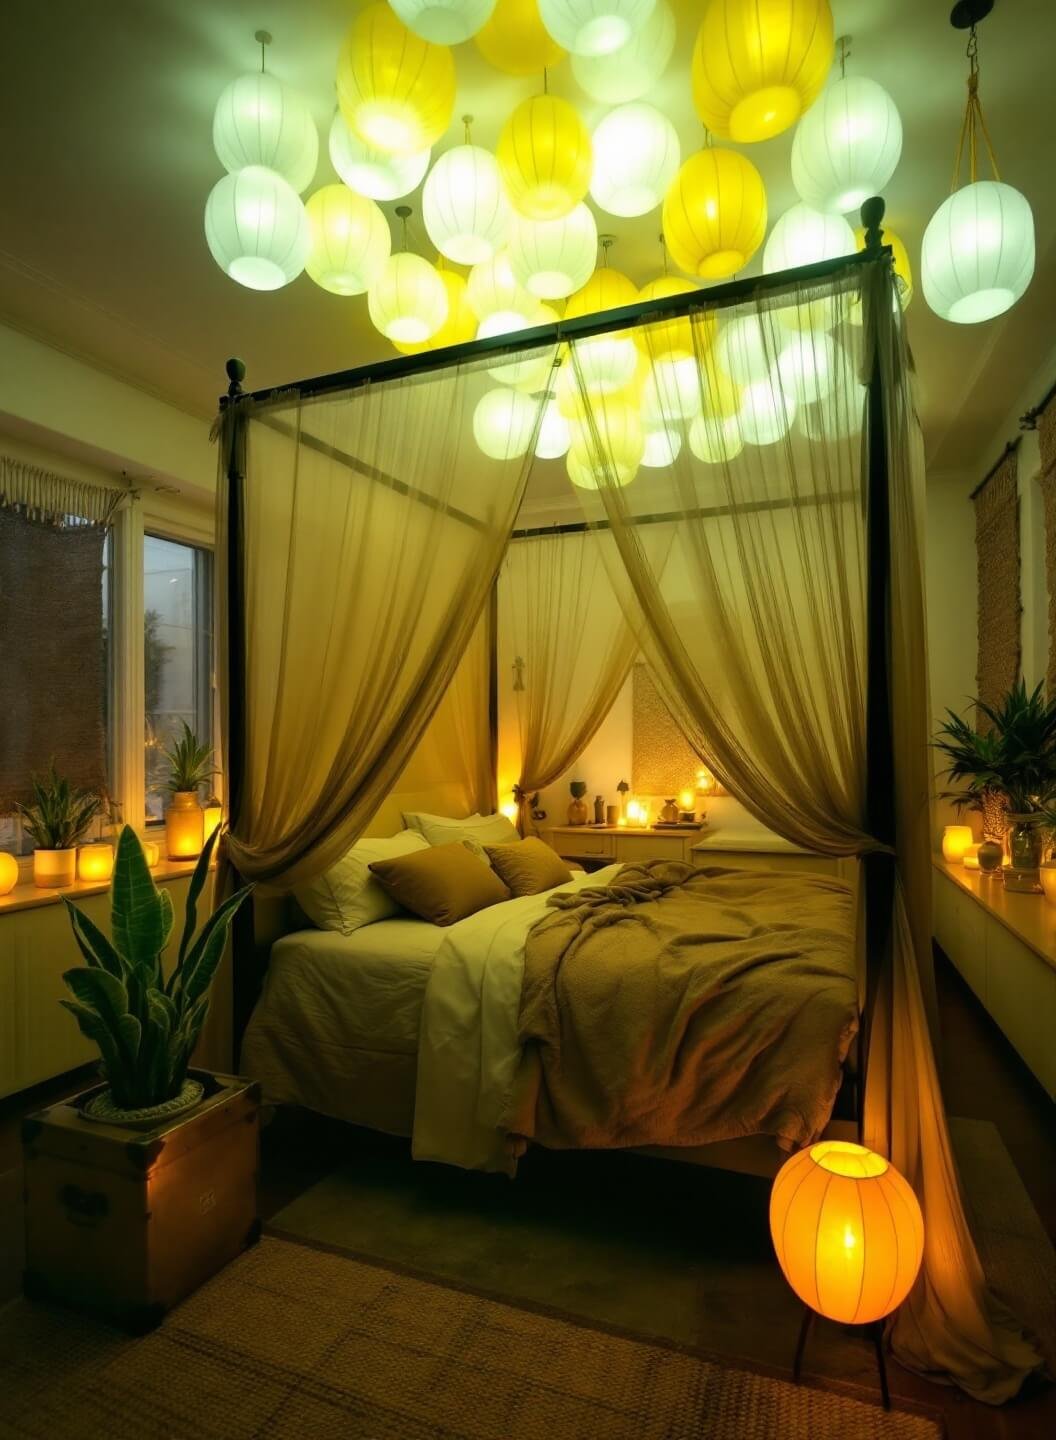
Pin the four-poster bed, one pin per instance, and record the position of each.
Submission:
(811, 755)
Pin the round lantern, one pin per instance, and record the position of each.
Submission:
(756, 68)
(444, 22)
(544, 157)
(531, 371)
(631, 71)
(464, 207)
(714, 216)
(715, 441)
(839, 414)
(809, 365)
(8, 872)
(720, 396)
(766, 412)
(407, 302)
(614, 424)
(670, 337)
(259, 121)
(372, 172)
(500, 302)
(552, 258)
(594, 27)
(636, 156)
(396, 90)
(802, 236)
(847, 1230)
(555, 434)
(899, 263)
(978, 252)
(256, 228)
(350, 240)
(662, 447)
(460, 325)
(504, 423)
(744, 350)
(847, 145)
(516, 41)
(606, 362)
(672, 390)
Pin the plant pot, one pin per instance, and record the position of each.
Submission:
(577, 812)
(184, 826)
(124, 1223)
(102, 1109)
(54, 869)
(1024, 854)
(990, 855)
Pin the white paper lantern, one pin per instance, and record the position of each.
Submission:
(594, 27)
(802, 236)
(715, 440)
(464, 205)
(636, 156)
(744, 350)
(530, 372)
(606, 362)
(407, 302)
(350, 240)
(672, 390)
(977, 258)
(498, 300)
(662, 447)
(766, 413)
(444, 22)
(371, 172)
(631, 71)
(256, 228)
(840, 413)
(555, 434)
(552, 258)
(809, 365)
(503, 423)
(259, 121)
(847, 145)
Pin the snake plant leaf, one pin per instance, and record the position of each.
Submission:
(156, 1074)
(137, 915)
(102, 992)
(158, 1000)
(194, 890)
(168, 915)
(92, 943)
(93, 1028)
(198, 969)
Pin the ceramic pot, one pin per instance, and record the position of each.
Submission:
(990, 856)
(577, 812)
(52, 869)
(184, 826)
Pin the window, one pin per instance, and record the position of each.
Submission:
(177, 653)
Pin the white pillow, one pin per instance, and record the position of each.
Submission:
(347, 896)
(475, 831)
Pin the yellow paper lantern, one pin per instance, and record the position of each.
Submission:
(350, 240)
(95, 862)
(666, 337)
(847, 1230)
(516, 41)
(900, 263)
(606, 362)
(407, 301)
(545, 158)
(715, 214)
(615, 426)
(758, 64)
(8, 872)
(715, 441)
(396, 90)
(460, 325)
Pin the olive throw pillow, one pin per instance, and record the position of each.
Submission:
(442, 884)
(528, 867)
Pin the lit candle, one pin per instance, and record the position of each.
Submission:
(152, 853)
(634, 812)
(95, 862)
(955, 842)
(687, 800)
(8, 872)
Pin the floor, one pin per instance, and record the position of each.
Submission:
(604, 1209)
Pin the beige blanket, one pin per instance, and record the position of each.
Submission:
(677, 1006)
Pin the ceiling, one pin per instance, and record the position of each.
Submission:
(107, 160)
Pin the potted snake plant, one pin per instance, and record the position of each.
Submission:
(190, 766)
(57, 821)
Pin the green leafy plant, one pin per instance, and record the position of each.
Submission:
(60, 814)
(146, 1025)
(190, 762)
(1014, 759)
(578, 789)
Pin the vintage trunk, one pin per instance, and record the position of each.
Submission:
(125, 1223)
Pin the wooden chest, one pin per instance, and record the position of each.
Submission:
(125, 1223)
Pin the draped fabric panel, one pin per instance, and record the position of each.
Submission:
(1047, 480)
(571, 652)
(756, 628)
(997, 562)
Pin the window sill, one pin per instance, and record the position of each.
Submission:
(27, 896)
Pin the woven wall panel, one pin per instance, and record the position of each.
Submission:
(662, 762)
(997, 570)
(51, 654)
(1047, 480)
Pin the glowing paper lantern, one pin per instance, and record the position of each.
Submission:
(847, 1230)
(516, 41)
(499, 301)
(552, 258)
(8, 872)
(608, 446)
(715, 441)
(464, 207)
(636, 156)
(715, 214)
(744, 350)
(900, 264)
(396, 90)
(840, 413)
(350, 240)
(460, 325)
(503, 423)
(766, 413)
(666, 337)
(256, 228)
(606, 362)
(544, 156)
(809, 365)
(555, 434)
(847, 145)
(955, 842)
(259, 121)
(977, 258)
(662, 447)
(531, 371)
(672, 390)
(720, 397)
(372, 172)
(407, 301)
(631, 71)
(594, 27)
(445, 22)
(802, 236)
(758, 66)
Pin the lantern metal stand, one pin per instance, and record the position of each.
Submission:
(874, 1331)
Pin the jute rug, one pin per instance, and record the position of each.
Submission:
(302, 1344)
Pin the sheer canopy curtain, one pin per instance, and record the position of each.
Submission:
(756, 630)
(372, 528)
(564, 636)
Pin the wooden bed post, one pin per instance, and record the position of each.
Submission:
(493, 693)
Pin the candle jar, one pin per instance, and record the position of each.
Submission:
(54, 869)
(184, 826)
(95, 862)
(1024, 854)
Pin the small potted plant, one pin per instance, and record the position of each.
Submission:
(57, 821)
(577, 810)
(105, 1228)
(190, 766)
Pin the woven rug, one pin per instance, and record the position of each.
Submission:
(302, 1344)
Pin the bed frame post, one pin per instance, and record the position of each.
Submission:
(493, 695)
(878, 868)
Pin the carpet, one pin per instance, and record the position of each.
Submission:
(290, 1342)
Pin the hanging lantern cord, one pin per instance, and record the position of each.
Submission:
(974, 123)
(403, 211)
(844, 42)
(546, 82)
(663, 250)
(467, 121)
(263, 39)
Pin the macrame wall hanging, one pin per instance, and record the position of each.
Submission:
(998, 573)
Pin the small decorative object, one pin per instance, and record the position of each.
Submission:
(623, 790)
(577, 810)
(669, 812)
(955, 841)
(990, 855)
(151, 853)
(95, 862)
(190, 766)
(1024, 854)
(59, 818)
(687, 800)
(612, 815)
(599, 810)
(971, 858)
(8, 872)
